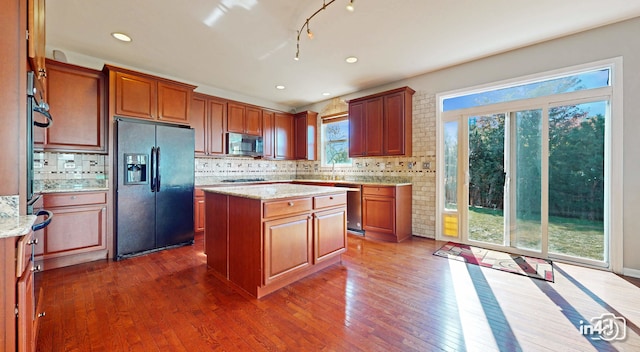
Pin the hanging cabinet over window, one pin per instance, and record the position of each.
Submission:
(147, 97)
(381, 124)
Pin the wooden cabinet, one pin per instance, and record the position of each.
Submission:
(207, 117)
(199, 211)
(268, 133)
(283, 136)
(137, 95)
(386, 212)
(263, 245)
(381, 124)
(245, 119)
(305, 135)
(19, 322)
(77, 102)
(36, 47)
(78, 233)
(287, 246)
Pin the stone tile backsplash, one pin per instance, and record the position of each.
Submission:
(70, 170)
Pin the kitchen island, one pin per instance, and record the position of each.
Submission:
(261, 238)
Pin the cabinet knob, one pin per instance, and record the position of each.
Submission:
(73, 197)
(33, 241)
(331, 198)
(36, 268)
(290, 204)
(40, 315)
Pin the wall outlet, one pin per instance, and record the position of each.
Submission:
(69, 165)
(426, 165)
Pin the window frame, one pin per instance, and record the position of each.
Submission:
(326, 120)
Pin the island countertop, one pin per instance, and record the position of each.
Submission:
(275, 191)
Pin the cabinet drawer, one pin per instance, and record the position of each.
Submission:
(329, 201)
(285, 207)
(379, 191)
(24, 254)
(68, 199)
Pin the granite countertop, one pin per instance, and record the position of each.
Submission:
(345, 182)
(275, 191)
(14, 226)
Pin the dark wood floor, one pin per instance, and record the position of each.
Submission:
(384, 297)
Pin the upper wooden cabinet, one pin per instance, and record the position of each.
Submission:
(207, 117)
(147, 97)
(268, 129)
(245, 119)
(36, 44)
(305, 135)
(283, 136)
(77, 104)
(381, 124)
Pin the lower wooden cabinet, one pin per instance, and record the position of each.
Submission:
(78, 232)
(198, 211)
(386, 212)
(263, 245)
(287, 244)
(18, 317)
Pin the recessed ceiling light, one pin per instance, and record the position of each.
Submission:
(279, 86)
(351, 59)
(121, 36)
(326, 94)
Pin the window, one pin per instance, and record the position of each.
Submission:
(335, 140)
(528, 165)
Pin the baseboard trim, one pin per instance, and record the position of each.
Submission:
(631, 272)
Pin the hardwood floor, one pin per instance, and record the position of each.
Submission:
(384, 297)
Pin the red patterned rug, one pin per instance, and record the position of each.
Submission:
(513, 263)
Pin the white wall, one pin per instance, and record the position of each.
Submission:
(601, 43)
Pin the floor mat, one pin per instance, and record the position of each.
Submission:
(513, 263)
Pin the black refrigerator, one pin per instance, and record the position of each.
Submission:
(155, 178)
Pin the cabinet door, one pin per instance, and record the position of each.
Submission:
(374, 127)
(253, 121)
(268, 134)
(135, 96)
(75, 230)
(330, 234)
(357, 138)
(300, 136)
(379, 214)
(199, 214)
(198, 121)
(284, 136)
(394, 124)
(76, 102)
(235, 118)
(36, 44)
(217, 111)
(287, 246)
(173, 103)
(26, 312)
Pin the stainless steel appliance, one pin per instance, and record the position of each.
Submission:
(354, 207)
(154, 178)
(244, 144)
(35, 104)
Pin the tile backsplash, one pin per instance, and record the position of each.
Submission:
(69, 170)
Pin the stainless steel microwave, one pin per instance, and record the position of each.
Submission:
(244, 144)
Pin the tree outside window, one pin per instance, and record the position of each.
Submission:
(335, 142)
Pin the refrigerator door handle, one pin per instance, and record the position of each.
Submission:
(153, 169)
(157, 169)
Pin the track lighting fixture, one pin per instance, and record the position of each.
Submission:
(306, 24)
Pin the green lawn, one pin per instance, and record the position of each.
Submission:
(574, 237)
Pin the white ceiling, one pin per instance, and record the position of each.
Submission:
(247, 46)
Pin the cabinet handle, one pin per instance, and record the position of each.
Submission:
(40, 315)
(290, 204)
(331, 198)
(36, 268)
